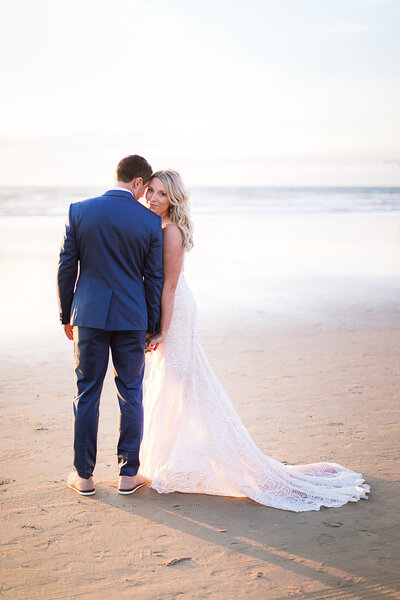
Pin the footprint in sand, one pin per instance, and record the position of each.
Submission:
(332, 523)
(6, 480)
(367, 533)
(177, 561)
(137, 581)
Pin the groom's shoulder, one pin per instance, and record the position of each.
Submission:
(92, 200)
(151, 217)
(88, 202)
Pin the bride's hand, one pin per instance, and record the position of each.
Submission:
(154, 341)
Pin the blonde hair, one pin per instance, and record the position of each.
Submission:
(179, 207)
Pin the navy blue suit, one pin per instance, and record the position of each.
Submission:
(110, 277)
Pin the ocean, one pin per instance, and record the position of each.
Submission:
(218, 201)
(280, 254)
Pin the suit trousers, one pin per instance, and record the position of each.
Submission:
(91, 348)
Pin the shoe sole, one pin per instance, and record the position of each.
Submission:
(132, 491)
(81, 492)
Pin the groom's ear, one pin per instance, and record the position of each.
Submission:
(137, 183)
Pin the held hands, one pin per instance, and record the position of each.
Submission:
(69, 331)
(153, 341)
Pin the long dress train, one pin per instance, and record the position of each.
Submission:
(194, 441)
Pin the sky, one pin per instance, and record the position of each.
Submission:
(229, 93)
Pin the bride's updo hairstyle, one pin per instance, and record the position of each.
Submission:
(179, 207)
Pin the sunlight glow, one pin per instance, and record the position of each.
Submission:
(245, 98)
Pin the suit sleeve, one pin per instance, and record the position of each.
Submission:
(67, 269)
(153, 277)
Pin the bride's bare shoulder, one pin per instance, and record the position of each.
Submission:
(172, 234)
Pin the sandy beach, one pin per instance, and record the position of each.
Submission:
(313, 372)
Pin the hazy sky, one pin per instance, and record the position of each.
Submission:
(256, 92)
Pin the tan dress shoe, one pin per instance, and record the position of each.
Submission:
(129, 485)
(84, 487)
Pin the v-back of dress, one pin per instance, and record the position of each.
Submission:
(194, 441)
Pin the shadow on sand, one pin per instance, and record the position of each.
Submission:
(315, 544)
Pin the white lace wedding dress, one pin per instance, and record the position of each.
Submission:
(195, 442)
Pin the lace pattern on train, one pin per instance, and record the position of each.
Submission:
(194, 441)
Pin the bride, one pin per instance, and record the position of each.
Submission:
(193, 438)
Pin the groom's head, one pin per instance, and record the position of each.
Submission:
(134, 172)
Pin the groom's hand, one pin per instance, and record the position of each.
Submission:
(69, 331)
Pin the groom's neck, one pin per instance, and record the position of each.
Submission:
(123, 184)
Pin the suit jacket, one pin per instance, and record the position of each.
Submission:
(116, 245)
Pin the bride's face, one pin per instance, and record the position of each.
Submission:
(157, 197)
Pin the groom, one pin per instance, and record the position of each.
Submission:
(110, 277)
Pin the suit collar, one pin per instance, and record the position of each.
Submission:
(121, 193)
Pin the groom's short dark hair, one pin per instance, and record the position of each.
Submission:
(134, 166)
